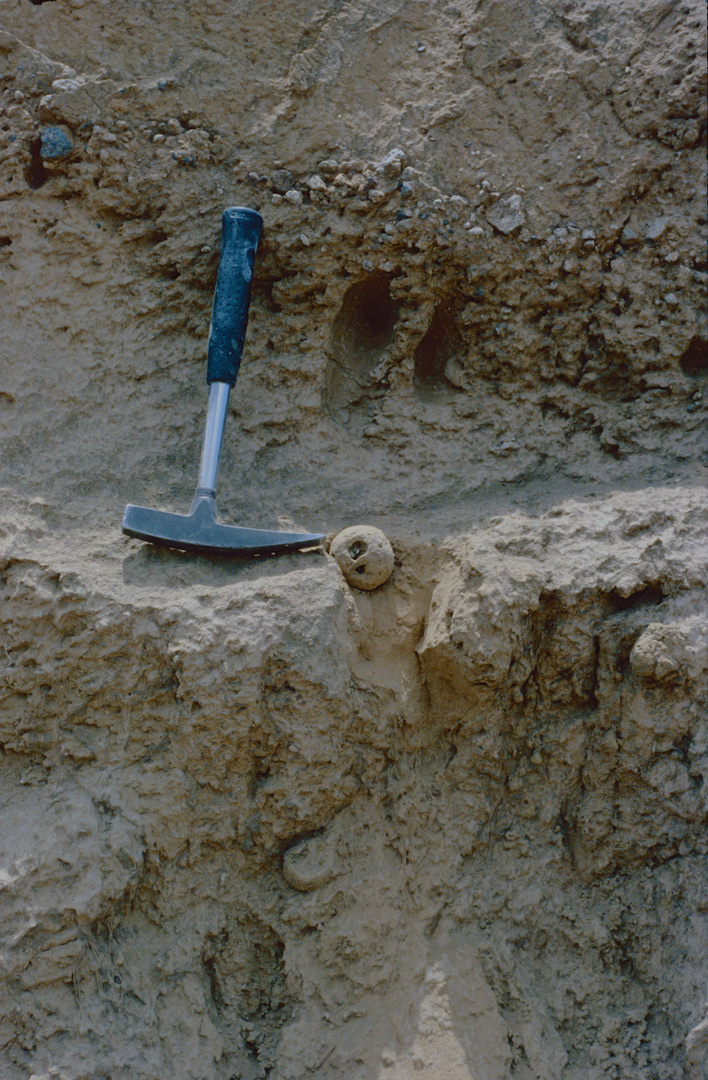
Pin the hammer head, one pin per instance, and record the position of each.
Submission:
(200, 531)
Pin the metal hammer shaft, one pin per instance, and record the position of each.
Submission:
(213, 435)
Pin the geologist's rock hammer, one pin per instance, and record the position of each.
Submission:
(199, 530)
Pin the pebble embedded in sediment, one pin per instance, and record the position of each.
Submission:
(55, 143)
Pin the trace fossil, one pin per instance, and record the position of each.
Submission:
(364, 556)
(308, 864)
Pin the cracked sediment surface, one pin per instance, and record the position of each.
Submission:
(255, 822)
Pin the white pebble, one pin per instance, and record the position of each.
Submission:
(392, 164)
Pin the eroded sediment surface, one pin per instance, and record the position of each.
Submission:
(254, 822)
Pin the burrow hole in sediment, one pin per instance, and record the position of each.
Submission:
(36, 174)
(361, 332)
(441, 343)
(695, 359)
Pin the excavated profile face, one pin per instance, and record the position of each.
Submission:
(255, 822)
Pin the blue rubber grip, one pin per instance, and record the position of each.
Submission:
(241, 230)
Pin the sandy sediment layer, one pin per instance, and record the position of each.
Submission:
(257, 822)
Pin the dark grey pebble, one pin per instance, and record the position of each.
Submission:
(281, 180)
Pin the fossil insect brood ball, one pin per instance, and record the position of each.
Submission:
(364, 556)
(308, 864)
